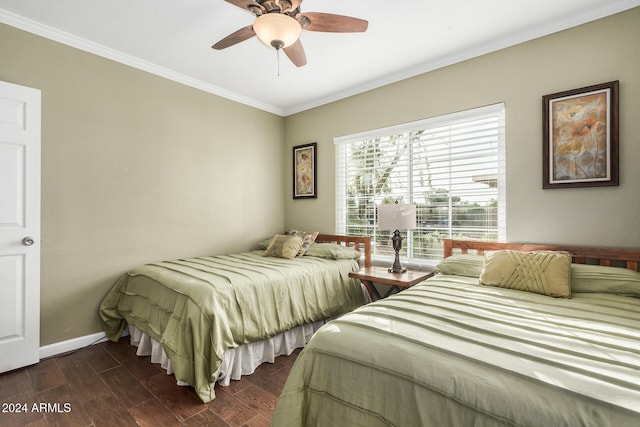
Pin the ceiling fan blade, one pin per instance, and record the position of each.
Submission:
(236, 37)
(330, 23)
(296, 54)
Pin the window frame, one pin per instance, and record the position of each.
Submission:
(496, 110)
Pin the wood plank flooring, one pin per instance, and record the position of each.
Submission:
(108, 385)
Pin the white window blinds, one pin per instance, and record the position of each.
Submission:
(451, 167)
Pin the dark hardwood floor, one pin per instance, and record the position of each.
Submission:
(108, 385)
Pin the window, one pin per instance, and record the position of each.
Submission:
(451, 167)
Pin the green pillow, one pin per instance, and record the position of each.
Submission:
(331, 251)
(461, 265)
(598, 278)
(264, 244)
(541, 272)
(282, 246)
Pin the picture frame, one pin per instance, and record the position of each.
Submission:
(580, 137)
(305, 171)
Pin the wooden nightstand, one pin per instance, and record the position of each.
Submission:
(397, 281)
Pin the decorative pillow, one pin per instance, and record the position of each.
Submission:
(332, 251)
(541, 272)
(307, 239)
(598, 278)
(461, 265)
(264, 243)
(282, 246)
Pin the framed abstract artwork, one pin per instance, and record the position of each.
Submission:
(304, 171)
(580, 137)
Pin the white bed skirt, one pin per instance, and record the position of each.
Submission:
(236, 362)
(242, 360)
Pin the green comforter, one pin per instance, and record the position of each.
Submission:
(200, 307)
(450, 352)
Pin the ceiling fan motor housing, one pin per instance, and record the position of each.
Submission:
(274, 6)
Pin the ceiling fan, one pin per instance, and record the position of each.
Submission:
(279, 23)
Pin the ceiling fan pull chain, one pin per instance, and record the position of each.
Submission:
(278, 56)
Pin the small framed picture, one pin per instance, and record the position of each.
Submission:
(304, 171)
(580, 137)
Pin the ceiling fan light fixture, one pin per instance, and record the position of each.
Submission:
(277, 30)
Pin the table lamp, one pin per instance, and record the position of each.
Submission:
(397, 216)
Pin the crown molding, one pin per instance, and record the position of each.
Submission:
(551, 27)
(51, 33)
(68, 39)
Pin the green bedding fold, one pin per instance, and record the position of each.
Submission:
(200, 307)
(450, 352)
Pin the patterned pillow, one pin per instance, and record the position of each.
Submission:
(282, 246)
(541, 272)
(307, 239)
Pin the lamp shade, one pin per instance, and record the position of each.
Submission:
(397, 216)
(277, 30)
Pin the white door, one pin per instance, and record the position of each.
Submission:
(19, 226)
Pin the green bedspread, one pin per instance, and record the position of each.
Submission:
(450, 352)
(200, 307)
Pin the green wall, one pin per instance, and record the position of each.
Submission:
(597, 52)
(135, 169)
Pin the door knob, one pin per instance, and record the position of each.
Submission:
(28, 241)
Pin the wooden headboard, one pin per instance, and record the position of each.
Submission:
(359, 243)
(629, 258)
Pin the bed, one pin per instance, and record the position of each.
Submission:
(211, 319)
(461, 350)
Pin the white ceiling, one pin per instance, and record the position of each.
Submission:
(173, 38)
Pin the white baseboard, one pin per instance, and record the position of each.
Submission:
(73, 344)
